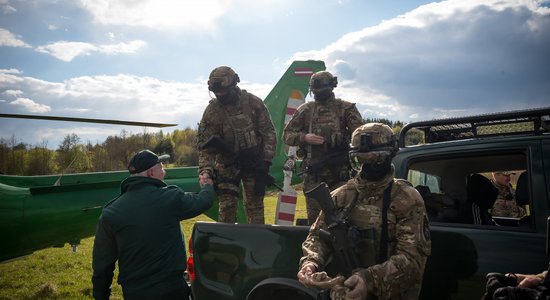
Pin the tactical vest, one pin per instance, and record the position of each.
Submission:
(371, 244)
(326, 121)
(238, 125)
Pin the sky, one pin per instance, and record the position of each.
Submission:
(149, 60)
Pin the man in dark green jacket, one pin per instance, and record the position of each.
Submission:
(141, 229)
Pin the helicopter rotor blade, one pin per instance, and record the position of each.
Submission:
(86, 120)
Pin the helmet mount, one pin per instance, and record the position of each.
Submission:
(222, 79)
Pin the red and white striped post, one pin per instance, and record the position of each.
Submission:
(286, 203)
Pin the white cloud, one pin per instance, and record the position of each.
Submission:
(446, 58)
(77, 110)
(6, 8)
(30, 106)
(10, 71)
(184, 16)
(110, 36)
(130, 47)
(9, 76)
(127, 97)
(67, 51)
(9, 40)
(13, 93)
(157, 13)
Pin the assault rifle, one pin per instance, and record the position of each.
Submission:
(244, 160)
(344, 248)
(335, 158)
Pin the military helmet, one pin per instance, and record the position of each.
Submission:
(322, 80)
(372, 141)
(222, 79)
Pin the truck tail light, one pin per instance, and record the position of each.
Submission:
(191, 263)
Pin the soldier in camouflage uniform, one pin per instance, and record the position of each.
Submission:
(242, 122)
(391, 269)
(505, 205)
(321, 128)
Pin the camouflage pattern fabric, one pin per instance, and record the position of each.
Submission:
(245, 124)
(228, 191)
(409, 244)
(333, 177)
(505, 205)
(335, 120)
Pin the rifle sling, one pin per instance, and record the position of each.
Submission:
(310, 127)
(383, 252)
(386, 200)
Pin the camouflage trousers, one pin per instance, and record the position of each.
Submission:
(333, 181)
(228, 196)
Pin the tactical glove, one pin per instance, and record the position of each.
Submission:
(356, 287)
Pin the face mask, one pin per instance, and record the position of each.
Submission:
(322, 95)
(228, 98)
(375, 171)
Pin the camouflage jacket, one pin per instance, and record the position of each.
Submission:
(505, 205)
(409, 244)
(334, 119)
(244, 124)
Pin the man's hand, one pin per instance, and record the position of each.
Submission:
(528, 280)
(314, 139)
(204, 178)
(305, 273)
(356, 287)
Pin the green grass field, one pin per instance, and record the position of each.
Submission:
(58, 273)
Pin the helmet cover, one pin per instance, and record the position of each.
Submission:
(222, 79)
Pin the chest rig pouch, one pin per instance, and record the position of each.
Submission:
(326, 120)
(369, 251)
(241, 133)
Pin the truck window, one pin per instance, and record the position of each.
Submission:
(421, 178)
(450, 185)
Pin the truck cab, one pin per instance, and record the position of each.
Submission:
(441, 158)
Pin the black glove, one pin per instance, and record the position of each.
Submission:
(496, 281)
(516, 293)
(264, 166)
(263, 178)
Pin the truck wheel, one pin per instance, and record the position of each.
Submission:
(281, 288)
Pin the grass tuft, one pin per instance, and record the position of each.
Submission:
(47, 290)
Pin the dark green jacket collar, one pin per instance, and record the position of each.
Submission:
(132, 182)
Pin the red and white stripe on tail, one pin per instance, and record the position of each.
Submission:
(286, 204)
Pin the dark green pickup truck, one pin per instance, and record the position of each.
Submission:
(233, 261)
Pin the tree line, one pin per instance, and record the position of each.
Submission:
(74, 156)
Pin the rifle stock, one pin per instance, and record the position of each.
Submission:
(344, 248)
